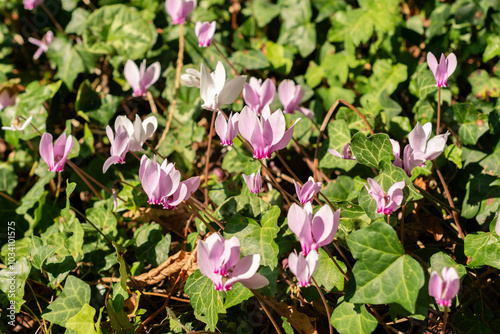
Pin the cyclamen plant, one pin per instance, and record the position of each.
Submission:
(226, 250)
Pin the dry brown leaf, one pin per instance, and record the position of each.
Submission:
(182, 261)
(432, 224)
(300, 321)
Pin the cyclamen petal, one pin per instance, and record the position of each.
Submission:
(497, 226)
(386, 203)
(218, 259)
(254, 182)
(32, 4)
(444, 288)
(346, 152)
(179, 10)
(227, 130)
(257, 95)
(140, 79)
(55, 155)
(205, 33)
(442, 70)
(303, 267)
(308, 190)
(6, 99)
(43, 44)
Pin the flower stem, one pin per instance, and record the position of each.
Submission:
(207, 160)
(52, 18)
(178, 70)
(328, 314)
(259, 298)
(438, 125)
(225, 58)
(445, 320)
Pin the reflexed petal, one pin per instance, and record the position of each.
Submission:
(417, 138)
(231, 90)
(231, 254)
(497, 226)
(131, 73)
(451, 61)
(432, 62)
(257, 281)
(221, 126)
(114, 159)
(151, 75)
(427, 129)
(251, 121)
(286, 91)
(149, 125)
(435, 286)
(335, 153)
(436, 146)
(285, 139)
(125, 123)
(274, 128)
(322, 226)
(267, 92)
(46, 149)
(207, 86)
(251, 97)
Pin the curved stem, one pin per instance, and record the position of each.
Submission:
(207, 160)
(258, 296)
(214, 43)
(321, 131)
(178, 70)
(438, 125)
(328, 314)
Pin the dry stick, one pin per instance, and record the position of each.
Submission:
(337, 264)
(276, 184)
(353, 108)
(288, 169)
(298, 148)
(438, 125)
(77, 170)
(52, 18)
(151, 101)
(199, 207)
(321, 130)
(207, 162)
(178, 69)
(262, 303)
(72, 165)
(38, 304)
(193, 210)
(445, 320)
(450, 201)
(343, 256)
(434, 199)
(328, 314)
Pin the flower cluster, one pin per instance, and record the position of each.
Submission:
(386, 202)
(55, 155)
(444, 288)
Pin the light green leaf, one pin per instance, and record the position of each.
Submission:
(327, 274)
(255, 238)
(338, 135)
(441, 260)
(372, 151)
(237, 295)
(40, 252)
(103, 217)
(492, 49)
(484, 87)
(8, 179)
(265, 11)
(348, 318)
(83, 321)
(245, 205)
(21, 270)
(206, 301)
(33, 195)
(249, 59)
(472, 124)
(75, 295)
(64, 56)
(483, 249)
(454, 154)
(480, 202)
(383, 273)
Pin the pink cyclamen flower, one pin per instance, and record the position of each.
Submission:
(179, 10)
(205, 33)
(386, 203)
(308, 190)
(290, 96)
(191, 78)
(446, 288)
(55, 155)
(254, 182)
(219, 260)
(444, 69)
(31, 4)
(346, 152)
(258, 94)
(119, 147)
(6, 99)
(313, 231)
(266, 134)
(162, 183)
(227, 130)
(138, 131)
(215, 90)
(303, 267)
(420, 148)
(140, 79)
(43, 44)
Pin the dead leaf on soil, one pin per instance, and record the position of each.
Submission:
(300, 321)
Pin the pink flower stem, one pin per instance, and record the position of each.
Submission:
(438, 125)
(194, 210)
(450, 201)
(178, 70)
(328, 314)
(445, 320)
(233, 70)
(58, 189)
(200, 207)
(207, 160)
(389, 219)
(52, 18)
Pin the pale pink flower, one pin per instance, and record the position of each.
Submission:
(205, 33)
(446, 288)
(219, 260)
(191, 78)
(6, 99)
(140, 79)
(119, 147)
(308, 190)
(258, 94)
(266, 134)
(444, 69)
(290, 96)
(254, 182)
(31, 4)
(215, 90)
(179, 10)
(226, 130)
(346, 152)
(386, 203)
(139, 131)
(313, 231)
(43, 44)
(55, 155)
(303, 267)
(16, 127)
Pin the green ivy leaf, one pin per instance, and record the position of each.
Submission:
(206, 301)
(64, 56)
(383, 273)
(8, 179)
(484, 87)
(83, 321)
(255, 238)
(245, 205)
(373, 150)
(40, 252)
(440, 260)
(21, 270)
(483, 249)
(480, 202)
(34, 194)
(103, 217)
(249, 59)
(348, 318)
(472, 124)
(75, 295)
(237, 295)
(338, 135)
(327, 274)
